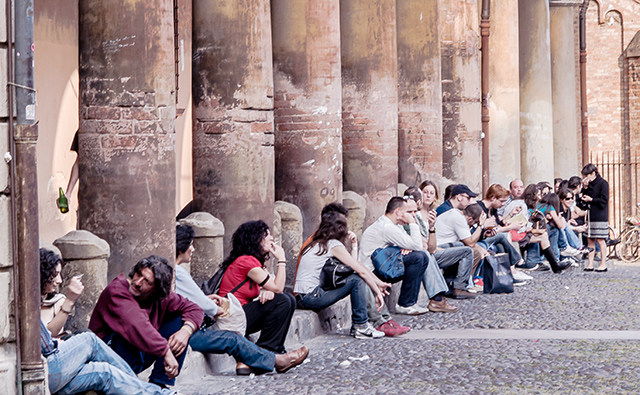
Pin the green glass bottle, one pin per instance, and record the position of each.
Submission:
(63, 205)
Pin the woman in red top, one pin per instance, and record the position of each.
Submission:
(272, 311)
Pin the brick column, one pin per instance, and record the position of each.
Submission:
(126, 139)
(308, 105)
(461, 92)
(370, 101)
(562, 16)
(419, 91)
(536, 110)
(504, 93)
(233, 157)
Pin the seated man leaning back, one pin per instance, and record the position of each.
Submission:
(144, 322)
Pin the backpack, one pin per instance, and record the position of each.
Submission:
(212, 286)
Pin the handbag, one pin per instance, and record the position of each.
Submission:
(388, 262)
(538, 223)
(334, 274)
(496, 275)
(234, 320)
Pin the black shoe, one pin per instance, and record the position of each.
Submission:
(600, 270)
(613, 242)
(542, 268)
(588, 269)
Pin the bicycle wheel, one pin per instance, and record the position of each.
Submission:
(629, 249)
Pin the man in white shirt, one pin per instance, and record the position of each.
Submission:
(452, 228)
(384, 233)
(460, 256)
(516, 189)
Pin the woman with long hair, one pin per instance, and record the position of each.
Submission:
(534, 242)
(568, 212)
(271, 310)
(56, 307)
(596, 195)
(327, 242)
(430, 195)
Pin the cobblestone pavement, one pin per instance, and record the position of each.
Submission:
(574, 301)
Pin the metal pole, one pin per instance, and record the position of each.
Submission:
(25, 188)
(584, 122)
(484, 33)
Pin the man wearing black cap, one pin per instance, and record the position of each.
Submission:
(452, 227)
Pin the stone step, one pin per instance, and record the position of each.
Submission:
(306, 325)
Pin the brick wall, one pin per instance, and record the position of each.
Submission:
(610, 27)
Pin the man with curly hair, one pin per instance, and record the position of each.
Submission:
(84, 362)
(144, 322)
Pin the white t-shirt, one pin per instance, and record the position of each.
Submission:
(308, 277)
(451, 226)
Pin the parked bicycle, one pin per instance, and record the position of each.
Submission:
(629, 248)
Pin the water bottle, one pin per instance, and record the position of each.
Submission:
(63, 204)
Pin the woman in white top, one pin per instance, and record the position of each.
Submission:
(328, 241)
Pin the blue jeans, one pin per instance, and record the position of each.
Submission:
(225, 342)
(139, 360)
(501, 240)
(433, 280)
(376, 317)
(415, 264)
(463, 256)
(572, 238)
(355, 286)
(533, 250)
(84, 362)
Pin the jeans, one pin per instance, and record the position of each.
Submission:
(355, 286)
(225, 342)
(376, 317)
(562, 240)
(84, 362)
(139, 360)
(572, 238)
(415, 264)
(433, 280)
(272, 319)
(463, 256)
(501, 240)
(533, 249)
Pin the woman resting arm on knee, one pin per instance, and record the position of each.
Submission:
(328, 241)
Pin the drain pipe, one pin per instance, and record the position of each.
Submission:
(25, 188)
(584, 122)
(484, 33)
(12, 192)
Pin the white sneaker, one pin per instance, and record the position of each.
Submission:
(411, 310)
(366, 331)
(570, 251)
(518, 275)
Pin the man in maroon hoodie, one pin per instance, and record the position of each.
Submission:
(144, 322)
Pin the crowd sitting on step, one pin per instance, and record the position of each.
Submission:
(140, 322)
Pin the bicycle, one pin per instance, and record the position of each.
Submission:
(629, 247)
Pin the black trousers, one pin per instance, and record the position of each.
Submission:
(272, 319)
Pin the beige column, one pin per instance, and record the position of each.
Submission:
(370, 101)
(461, 92)
(536, 109)
(308, 105)
(419, 91)
(504, 93)
(233, 154)
(562, 15)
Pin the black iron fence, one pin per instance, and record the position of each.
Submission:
(622, 175)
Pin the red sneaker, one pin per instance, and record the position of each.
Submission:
(388, 330)
(401, 329)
